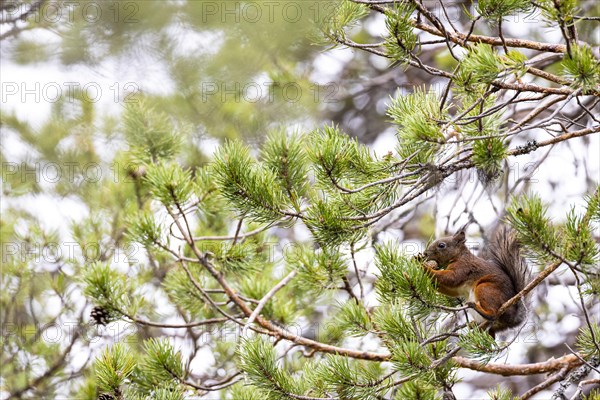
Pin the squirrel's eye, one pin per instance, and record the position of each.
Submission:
(442, 245)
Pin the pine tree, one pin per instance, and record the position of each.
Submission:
(277, 259)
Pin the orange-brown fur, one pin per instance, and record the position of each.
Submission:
(485, 284)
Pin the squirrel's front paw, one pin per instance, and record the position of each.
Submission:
(430, 264)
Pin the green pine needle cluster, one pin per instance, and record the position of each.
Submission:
(587, 341)
(489, 149)
(246, 392)
(144, 229)
(150, 134)
(114, 368)
(318, 270)
(258, 360)
(168, 393)
(528, 216)
(246, 184)
(479, 344)
(402, 39)
(241, 257)
(350, 379)
(106, 287)
(583, 68)
(328, 229)
(515, 61)
(417, 390)
(353, 319)
(160, 367)
(286, 157)
(281, 309)
(395, 321)
(500, 393)
(342, 168)
(169, 183)
(579, 244)
(157, 373)
(182, 291)
(593, 206)
(499, 9)
(339, 160)
(343, 17)
(480, 66)
(411, 358)
(562, 12)
(488, 155)
(574, 241)
(417, 116)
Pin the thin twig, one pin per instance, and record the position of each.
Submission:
(266, 298)
(560, 375)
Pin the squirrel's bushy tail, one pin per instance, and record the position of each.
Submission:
(505, 251)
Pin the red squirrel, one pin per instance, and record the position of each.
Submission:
(485, 283)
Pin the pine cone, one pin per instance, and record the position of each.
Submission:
(100, 315)
(106, 396)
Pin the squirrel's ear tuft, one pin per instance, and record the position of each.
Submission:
(460, 237)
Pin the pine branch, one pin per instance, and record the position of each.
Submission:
(434, 178)
(273, 329)
(460, 38)
(579, 391)
(560, 138)
(176, 326)
(568, 361)
(574, 377)
(560, 375)
(266, 298)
